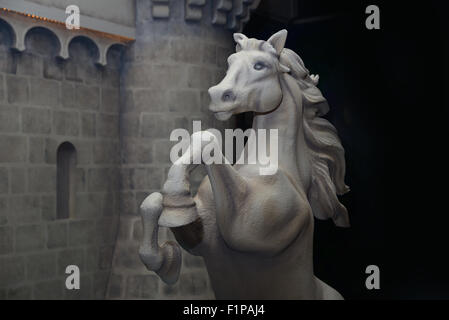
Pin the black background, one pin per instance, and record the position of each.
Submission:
(387, 90)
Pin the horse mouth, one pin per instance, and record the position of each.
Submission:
(223, 115)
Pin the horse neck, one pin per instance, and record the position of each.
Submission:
(287, 119)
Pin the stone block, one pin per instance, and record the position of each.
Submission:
(162, 150)
(2, 81)
(126, 258)
(209, 53)
(83, 152)
(137, 151)
(13, 270)
(36, 152)
(156, 126)
(4, 180)
(88, 205)
(222, 56)
(199, 77)
(49, 290)
(66, 123)
(170, 291)
(92, 259)
(205, 101)
(163, 77)
(8, 62)
(193, 283)
(137, 231)
(191, 261)
(16, 147)
(20, 293)
(126, 101)
(9, 119)
(127, 204)
(142, 287)
(137, 75)
(53, 69)
(72, 71)
(105, 257)
(110, 77)
(87, 97)
(186, 50)
(106, 152)
(79, 179)
(149, 100)
(4, 209)
(110, 100)
(184, 101)
(110, 204)
(81, 232)
(48, 207)
(6, 240)
(41, 266)
(51, 147)
(25, 209)
(57, 235)
(100, 283)
(140, 178)
(106, 230)
(29, 238)
(129, 125)
(42, 179)
(107, 125)
(115, 287)
(17, 89)
(36, 120)
(88, 124)
(44, 92)
(90, 73)
(29, 64)
(151, 49)
(68, 95)
(102, 179)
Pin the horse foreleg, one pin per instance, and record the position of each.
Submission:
(165, 260)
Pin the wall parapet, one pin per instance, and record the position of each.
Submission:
(20, 24)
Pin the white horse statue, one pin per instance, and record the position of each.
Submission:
(255, 232)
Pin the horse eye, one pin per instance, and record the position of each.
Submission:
(259, 66)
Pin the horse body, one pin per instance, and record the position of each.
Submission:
(255, 232)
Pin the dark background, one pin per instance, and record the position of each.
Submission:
(387, 90)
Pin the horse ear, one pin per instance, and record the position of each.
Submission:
(239, 38)
(277, 40)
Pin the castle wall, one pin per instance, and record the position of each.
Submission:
(166, 74)
(44, 102)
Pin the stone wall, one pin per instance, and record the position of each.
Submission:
(44, 102)
(166, 74)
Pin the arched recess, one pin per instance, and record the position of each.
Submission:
(114, 55)
(65, 184)
(43, 41)
(7, 35)
(85, 48)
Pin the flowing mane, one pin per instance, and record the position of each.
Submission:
(327, 153)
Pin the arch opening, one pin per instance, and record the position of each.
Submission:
(65, 184)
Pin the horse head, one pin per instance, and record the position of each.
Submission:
(252, 80)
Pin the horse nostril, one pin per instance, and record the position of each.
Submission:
(227, 96)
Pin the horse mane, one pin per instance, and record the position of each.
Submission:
(327, 153)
